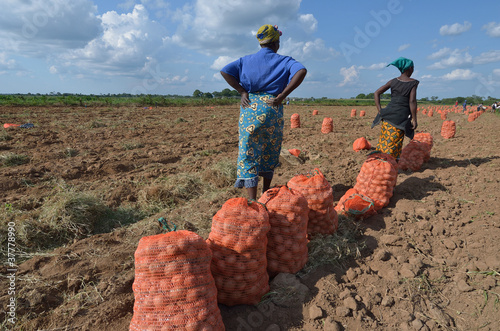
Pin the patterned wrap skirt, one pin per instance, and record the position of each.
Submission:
(260, 137)
(390, 140)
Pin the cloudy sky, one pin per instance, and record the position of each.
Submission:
(176, 47)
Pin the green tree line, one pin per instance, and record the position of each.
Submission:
(199, 98)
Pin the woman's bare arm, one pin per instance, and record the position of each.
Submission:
(231, 80)
(294, 83)
(380, 91)
(413, 107)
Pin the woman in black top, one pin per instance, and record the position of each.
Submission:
(399, 118)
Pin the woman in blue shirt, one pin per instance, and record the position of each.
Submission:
(263, 79)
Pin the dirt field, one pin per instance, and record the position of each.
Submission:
(428, 261)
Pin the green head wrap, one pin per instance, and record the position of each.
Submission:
(402, 64)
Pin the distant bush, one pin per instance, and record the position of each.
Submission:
(226, 97)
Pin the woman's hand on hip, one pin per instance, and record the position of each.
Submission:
(245, 100)
(275, 102)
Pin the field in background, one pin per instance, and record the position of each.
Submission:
(86, 183)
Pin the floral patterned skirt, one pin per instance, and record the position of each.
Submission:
(260, 137)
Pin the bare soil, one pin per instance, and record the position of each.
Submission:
(428, 261)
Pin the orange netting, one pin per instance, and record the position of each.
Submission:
(355, 205)
(430, 113)
(315, 112)
(294, 152)
(238, 240)
(327, 125)
(377, 179)
(443, 116)
(448, 129)
(353, 112)
(173, 286)
(362, 113)
(428, 141)
(287, 239)
(323, 218)
(472, 116)
(295, 121)
(413, 155)
(360, 144)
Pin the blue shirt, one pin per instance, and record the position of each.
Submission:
(264, 71)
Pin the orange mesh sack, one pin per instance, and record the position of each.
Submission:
(173, 286)
(413, 155)
(355, 205)
(360, 144)
(287, 239)
(353, 112)
(294, 152)
(295, 121)
(448, 129)
(377, 179)
(323, 218)
(238, 240)
(362, 113)
(327, 125)
(428, 141)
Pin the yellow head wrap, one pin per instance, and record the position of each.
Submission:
(268, 34)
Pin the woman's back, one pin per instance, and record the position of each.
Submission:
(402, 88)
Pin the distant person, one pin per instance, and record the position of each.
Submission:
(480, 107)
(456, 103)
(494, 107)
(399, 118)
(263, 79)
(465, 106)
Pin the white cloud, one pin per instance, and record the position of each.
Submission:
(6, 63)
(308, 22)
(220, 62)
(376, 66)
(455, 29)
(351, 75)
(488, 57)
(443, 52)
(306, 50)
(403, 47)
(126, 45)
(39, 26)
(460, 74)
(457, 58)
(496, 72)
(216, 27)
(492, 29)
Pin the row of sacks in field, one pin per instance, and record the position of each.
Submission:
(378, 176)
(417, 151)
(180, 278)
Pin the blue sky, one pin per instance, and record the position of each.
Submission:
(176, 47)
